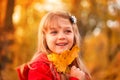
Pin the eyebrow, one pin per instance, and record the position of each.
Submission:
(52, 28)
(59, 27)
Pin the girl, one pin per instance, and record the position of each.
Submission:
(57, 33)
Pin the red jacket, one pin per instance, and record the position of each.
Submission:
(40, 69)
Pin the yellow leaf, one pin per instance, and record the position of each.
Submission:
(62, 60)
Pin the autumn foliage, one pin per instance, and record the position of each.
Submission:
(98, 22)
(62, 60)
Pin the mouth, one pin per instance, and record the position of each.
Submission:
(61, 44)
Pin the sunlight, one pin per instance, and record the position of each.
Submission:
(112, 24)
(17, 14)
(97, 31)
(85, 4)
(48, 5)
(53, 4)
(37, 6)
(111, 8)
(118, 3)
(52, 1)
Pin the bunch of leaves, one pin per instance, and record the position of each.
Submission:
(62, 60)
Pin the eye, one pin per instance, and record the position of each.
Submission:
(53, 32)
(68, 31)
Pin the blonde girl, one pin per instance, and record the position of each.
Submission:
(57, 32)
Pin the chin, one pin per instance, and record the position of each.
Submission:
(59, 52)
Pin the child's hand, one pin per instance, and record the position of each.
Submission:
(77, 73)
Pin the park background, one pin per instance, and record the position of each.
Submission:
(98, 22)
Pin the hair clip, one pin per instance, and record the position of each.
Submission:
(73, 19)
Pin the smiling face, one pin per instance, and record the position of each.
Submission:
(60, 37)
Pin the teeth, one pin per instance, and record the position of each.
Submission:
(61, 44)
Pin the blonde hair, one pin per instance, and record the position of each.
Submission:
(46, 22)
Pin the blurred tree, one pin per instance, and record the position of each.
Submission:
(6, 34)
(99, 25)
(98, 22)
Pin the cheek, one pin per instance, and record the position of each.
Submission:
(71, 38)
(49, 40)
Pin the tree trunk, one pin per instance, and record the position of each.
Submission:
(6, 30)
(8, 25)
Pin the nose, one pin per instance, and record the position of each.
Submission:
(61, 36)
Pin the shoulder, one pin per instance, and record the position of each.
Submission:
(41, 62)
(42, 65)
(40, 69)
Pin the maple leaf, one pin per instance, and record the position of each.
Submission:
(62, 60)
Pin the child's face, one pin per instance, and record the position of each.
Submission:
(60, 37)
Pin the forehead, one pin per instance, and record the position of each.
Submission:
(63, 21)
(59, 22)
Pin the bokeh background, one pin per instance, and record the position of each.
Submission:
(98, 22)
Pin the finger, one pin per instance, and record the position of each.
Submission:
(78, 69)
(83, 73)
(73, 67)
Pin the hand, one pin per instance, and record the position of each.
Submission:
(77, 73)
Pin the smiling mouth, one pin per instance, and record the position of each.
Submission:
(61, 44)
